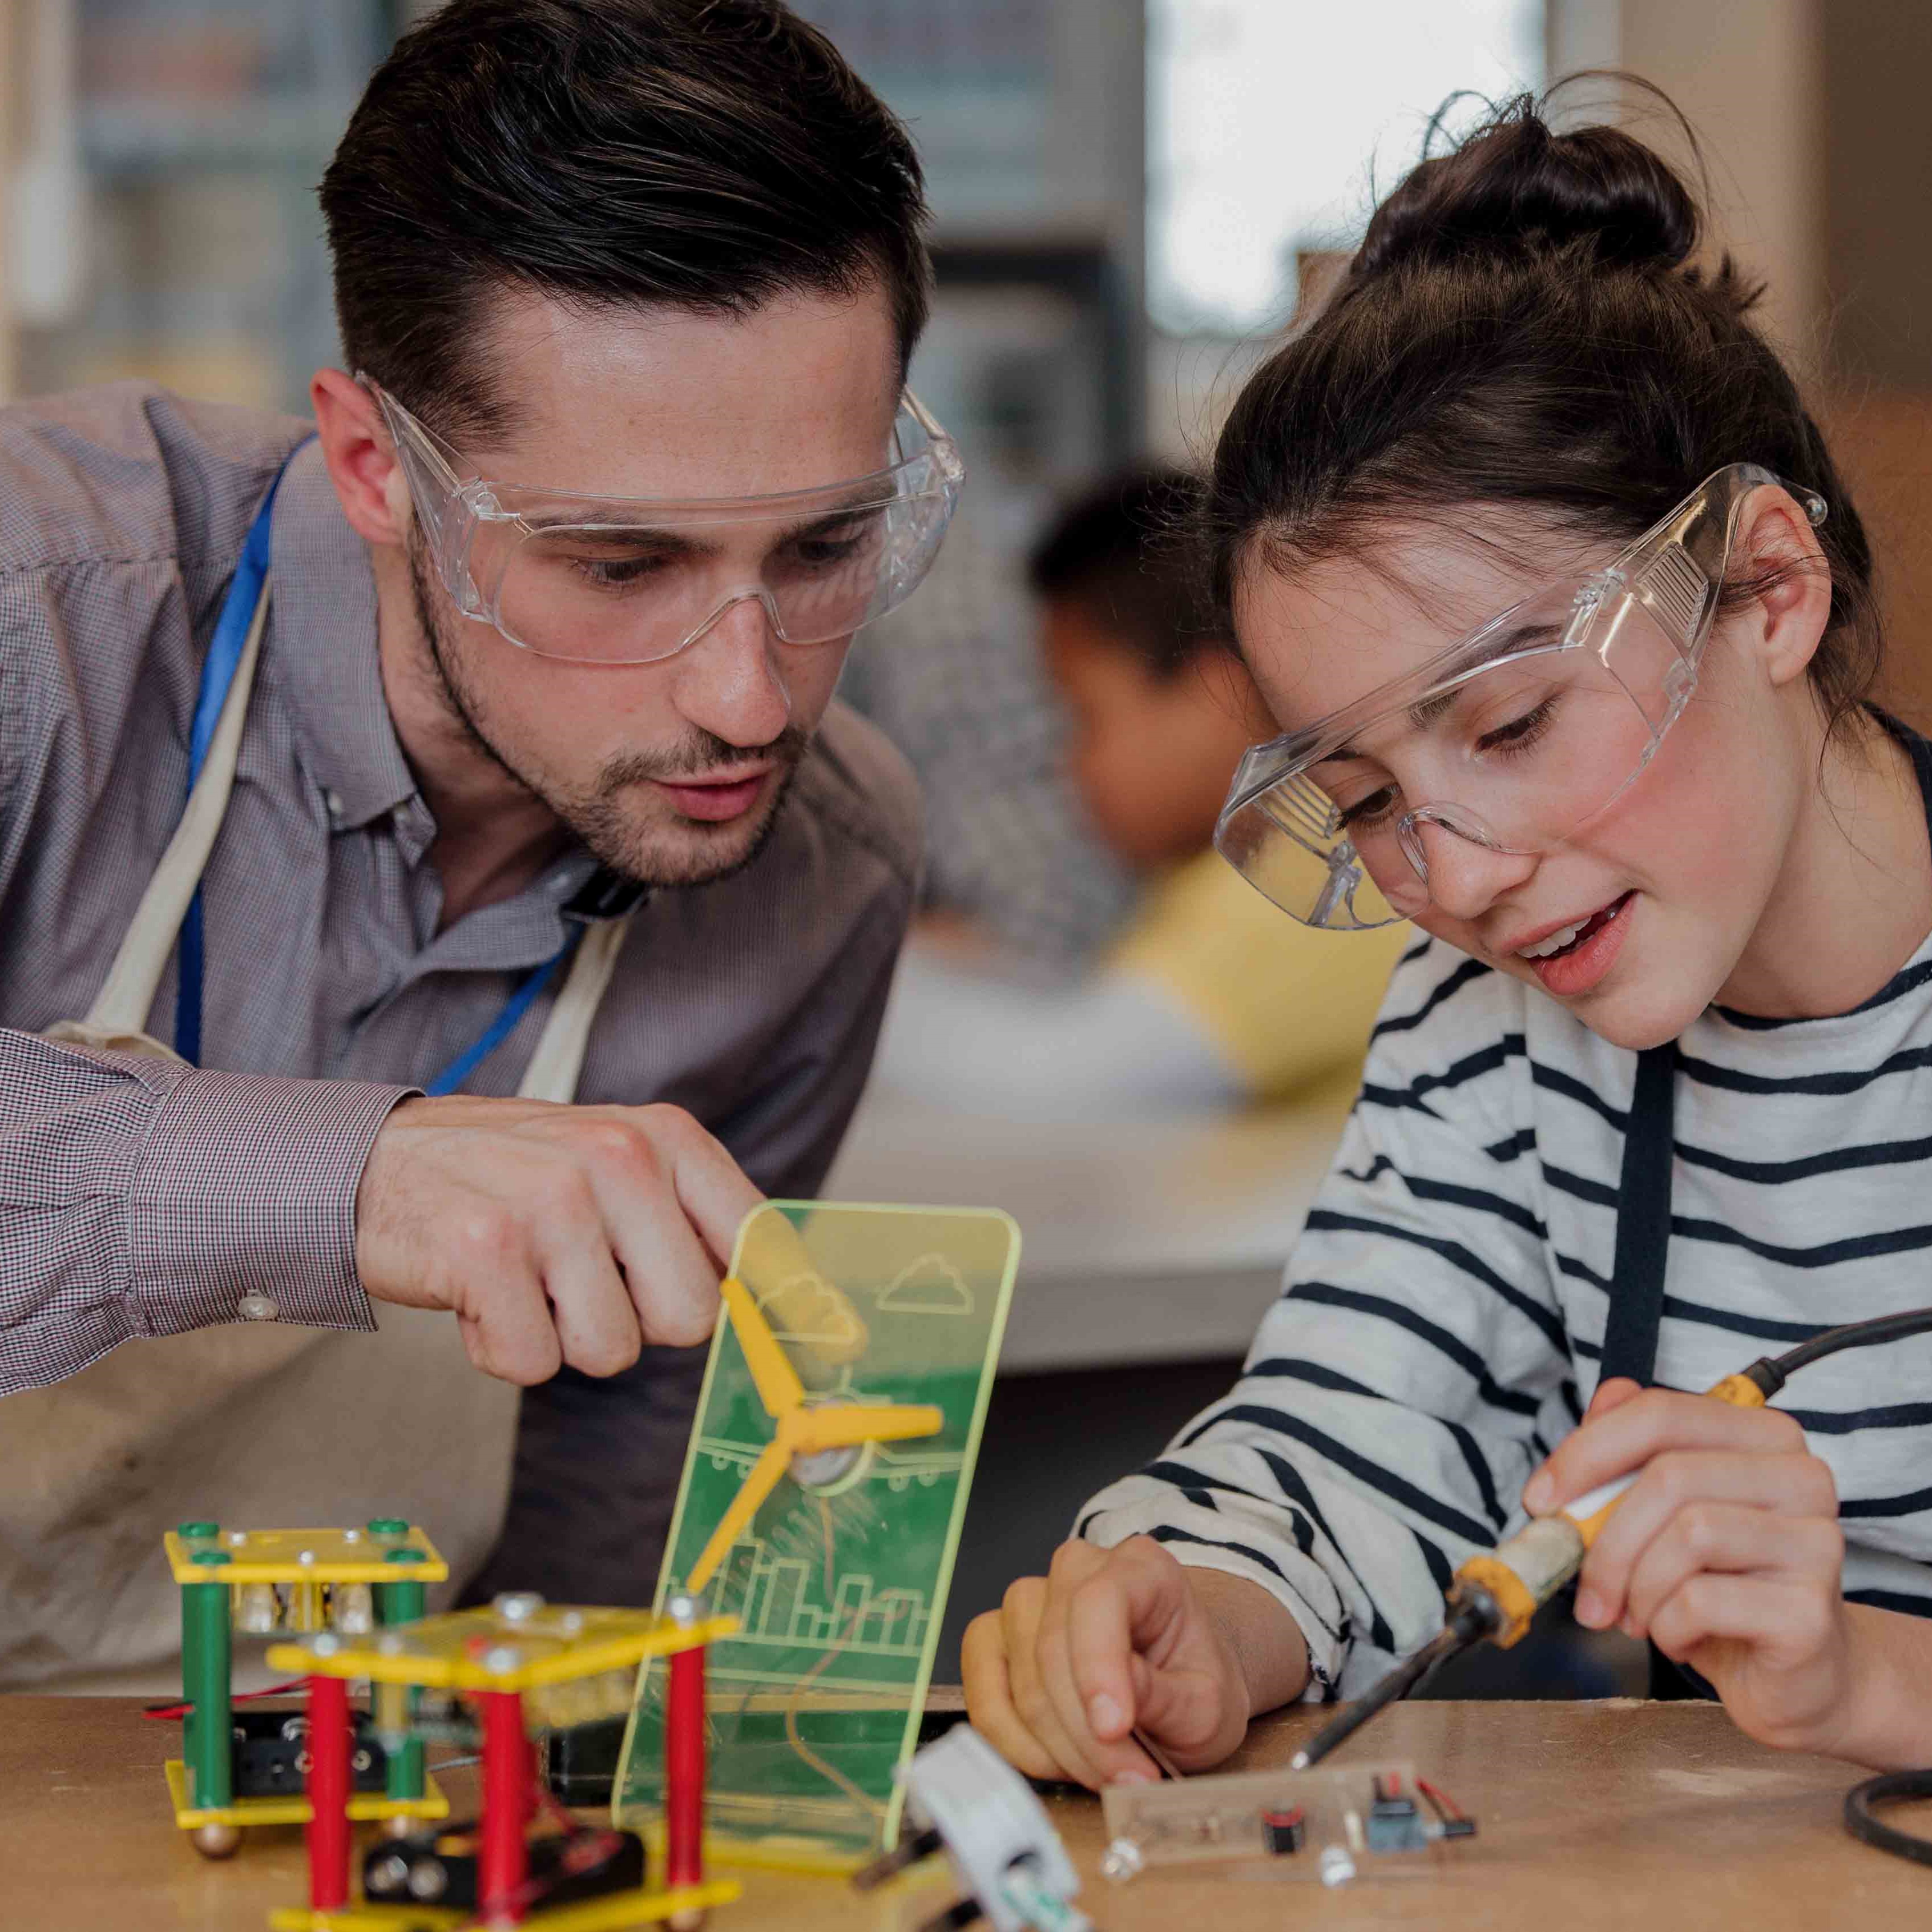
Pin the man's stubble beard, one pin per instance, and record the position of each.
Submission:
(597, 817)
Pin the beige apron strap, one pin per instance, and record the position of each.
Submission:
(552, 1072)
(114, 1020)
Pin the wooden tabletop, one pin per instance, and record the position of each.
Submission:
(1604, 1816)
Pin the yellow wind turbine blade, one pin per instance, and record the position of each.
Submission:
(761, 1479)
(843, 1425)
(776, 1381)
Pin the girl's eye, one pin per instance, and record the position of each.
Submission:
(1367, 813)
(1520, 734)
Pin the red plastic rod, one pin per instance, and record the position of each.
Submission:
(328, 1793)
(684, 1770)
(508, 1803)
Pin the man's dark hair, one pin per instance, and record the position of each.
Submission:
(1120, 553)
(701, 155)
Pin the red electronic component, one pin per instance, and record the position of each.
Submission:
(328, 1793)
(684, 1770)
(508, 1802)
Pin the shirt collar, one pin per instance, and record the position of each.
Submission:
(323, 615)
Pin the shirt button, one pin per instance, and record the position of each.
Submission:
(333, 799)
(256, 1308)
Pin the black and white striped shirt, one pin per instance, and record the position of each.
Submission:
(1444, 1310)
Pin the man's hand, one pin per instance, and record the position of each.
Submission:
(1112, 1641)
(1725, 1553)
(553, 1234)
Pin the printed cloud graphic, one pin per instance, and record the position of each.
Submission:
(807, 1309)
(930, 1285)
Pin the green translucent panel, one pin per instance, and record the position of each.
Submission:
(841, 1580)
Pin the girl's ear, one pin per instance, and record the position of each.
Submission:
(1777, 551)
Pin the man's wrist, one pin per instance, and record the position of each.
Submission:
(242, 1206)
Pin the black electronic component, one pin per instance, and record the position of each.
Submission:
(1394, 1822)
(1285, 1831)
(438, 1867)
(270, 1753)
(580, 1765)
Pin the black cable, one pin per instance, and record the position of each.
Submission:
(1771, 1372)
(1863, 1824)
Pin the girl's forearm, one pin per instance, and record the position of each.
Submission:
(1269, 1650)
(1888, 1722)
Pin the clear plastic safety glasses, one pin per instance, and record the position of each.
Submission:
(621, 580)
(1514, 737)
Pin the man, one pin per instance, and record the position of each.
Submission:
(536, 707)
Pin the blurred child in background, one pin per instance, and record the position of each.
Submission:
(1207, 999)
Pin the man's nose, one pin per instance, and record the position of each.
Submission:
(1466, 876)
(730, 681)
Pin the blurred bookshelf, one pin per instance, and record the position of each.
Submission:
(188, 247)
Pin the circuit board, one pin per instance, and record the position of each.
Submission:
(1379, 1821)
(839, 1579)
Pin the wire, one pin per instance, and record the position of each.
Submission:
(174, 1712)
(1863, 1824)
(1445, 1807)
(1852, 1335)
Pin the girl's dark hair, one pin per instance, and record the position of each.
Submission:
(1523, 326)
(703, 154)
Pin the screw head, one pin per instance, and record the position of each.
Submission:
(517, 1606)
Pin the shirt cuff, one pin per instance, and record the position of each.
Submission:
(243, 1207)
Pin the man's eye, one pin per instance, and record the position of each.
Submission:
(826, 552)
(610, 573)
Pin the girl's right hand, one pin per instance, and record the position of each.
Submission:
(1109, 1642)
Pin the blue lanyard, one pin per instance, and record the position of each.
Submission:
(217, 676)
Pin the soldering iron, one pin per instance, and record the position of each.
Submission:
(1495, 1595)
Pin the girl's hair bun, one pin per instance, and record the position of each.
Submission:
(1517, 188)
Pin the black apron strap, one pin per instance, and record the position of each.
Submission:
(1643, 1221)
(1637, 1277)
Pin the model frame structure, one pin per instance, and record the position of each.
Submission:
(514, 1663)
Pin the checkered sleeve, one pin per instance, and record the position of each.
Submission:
(139, 1197)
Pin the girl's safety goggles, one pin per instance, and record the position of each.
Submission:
(1514, 737)
(622, 580)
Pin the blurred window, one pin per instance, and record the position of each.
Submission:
(1272, 123)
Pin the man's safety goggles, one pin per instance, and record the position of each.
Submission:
(1514, 737)
(619, 579)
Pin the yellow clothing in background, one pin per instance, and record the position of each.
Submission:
(1290, 1007)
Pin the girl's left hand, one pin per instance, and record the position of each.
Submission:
(1726, 1554)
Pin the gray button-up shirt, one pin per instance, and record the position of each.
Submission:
(138, 1199)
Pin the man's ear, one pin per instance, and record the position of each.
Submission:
(369, 481)
(1776, 542)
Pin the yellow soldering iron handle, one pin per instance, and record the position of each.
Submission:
(1519, 1576)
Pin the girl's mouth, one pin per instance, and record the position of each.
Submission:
(1586, 952)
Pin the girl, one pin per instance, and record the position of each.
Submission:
(1566, 616)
